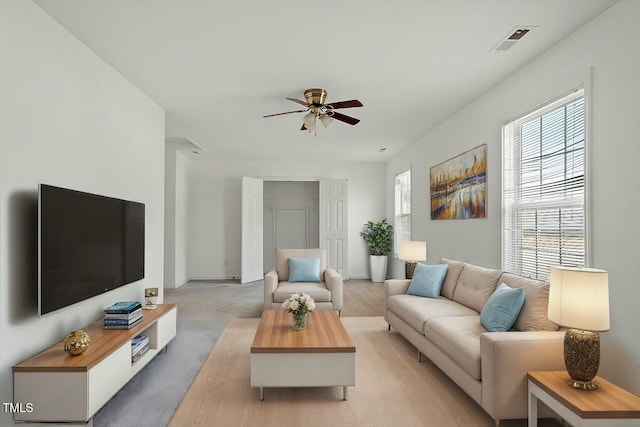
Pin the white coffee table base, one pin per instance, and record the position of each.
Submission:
(303, 370)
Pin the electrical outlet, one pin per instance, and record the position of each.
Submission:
(150, 292)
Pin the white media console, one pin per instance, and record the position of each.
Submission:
(64, 388)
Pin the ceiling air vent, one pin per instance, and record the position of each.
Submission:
(512, 38)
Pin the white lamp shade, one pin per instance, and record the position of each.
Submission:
(326, 120)
(413, 251)
(309, 121)
(579, 298)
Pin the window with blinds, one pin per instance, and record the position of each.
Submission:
(402, 223)
(544, 188)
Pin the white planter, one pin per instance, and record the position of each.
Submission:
(378, 267)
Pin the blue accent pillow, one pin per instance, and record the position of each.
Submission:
(502, 308)
(427, 280)
(304, 270)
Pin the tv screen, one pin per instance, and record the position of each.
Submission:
(88, 245)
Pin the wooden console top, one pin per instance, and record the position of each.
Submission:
(324, 334)
(103, 342)
(607, 401)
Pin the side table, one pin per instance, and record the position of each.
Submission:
(609, 405)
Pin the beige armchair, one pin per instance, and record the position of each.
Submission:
(327, 293)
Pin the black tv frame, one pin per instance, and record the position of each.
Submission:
(96, 245)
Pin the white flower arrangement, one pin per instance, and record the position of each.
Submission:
(299, 304)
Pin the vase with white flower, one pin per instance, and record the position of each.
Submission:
(299, 306)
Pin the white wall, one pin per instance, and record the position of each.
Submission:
(607, 46)
(214, 209)
(170, 218)
(67, 119)
(182, 179)
(175, 245)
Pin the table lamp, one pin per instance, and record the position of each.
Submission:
(412, 252)
(579, 300)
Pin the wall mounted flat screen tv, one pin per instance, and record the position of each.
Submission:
(87, 245)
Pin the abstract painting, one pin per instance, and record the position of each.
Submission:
(458, 186)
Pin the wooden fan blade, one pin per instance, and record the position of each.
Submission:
(347, 119)
(299, 101)
(345, 104)
(288, 112)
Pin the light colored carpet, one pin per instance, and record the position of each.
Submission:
(392, 388)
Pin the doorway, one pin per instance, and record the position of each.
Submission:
(331, 209)
(290, 217)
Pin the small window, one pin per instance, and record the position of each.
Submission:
(402, 223)
(544, 188)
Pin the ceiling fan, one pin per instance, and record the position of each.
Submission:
(317, 109)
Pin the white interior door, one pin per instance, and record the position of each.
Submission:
(333, 224)
(252, 232)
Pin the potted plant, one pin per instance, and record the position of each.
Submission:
(379, 237)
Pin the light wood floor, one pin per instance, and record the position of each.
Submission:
(362, 298)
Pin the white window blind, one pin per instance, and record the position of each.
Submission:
(402, 223)
(544, 188)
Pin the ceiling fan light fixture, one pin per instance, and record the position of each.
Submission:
(316, 108)
(326, 120)
(309, 121)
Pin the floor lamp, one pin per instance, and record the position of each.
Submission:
(411, 252)
(579, 299)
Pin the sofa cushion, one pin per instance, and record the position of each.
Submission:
(283, 255)
(317, 291)
(502, 308)
(451, 279)
(427, 280)
(304, 269)
(533, 316)
(459, 338)
(416, 310)
(475, 286)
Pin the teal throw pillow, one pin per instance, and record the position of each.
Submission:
(304, 269)
(502, 308)
(427, 280)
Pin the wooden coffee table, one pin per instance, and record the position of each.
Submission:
(322, 355)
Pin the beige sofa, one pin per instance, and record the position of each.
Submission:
(491, 367)
(327, 293)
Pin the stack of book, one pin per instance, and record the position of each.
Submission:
(139, 346)
(123, 315)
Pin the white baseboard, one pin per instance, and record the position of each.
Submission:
(174, 285)
(216, 278)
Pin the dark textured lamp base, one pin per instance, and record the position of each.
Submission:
(582, 357)
(409, 268)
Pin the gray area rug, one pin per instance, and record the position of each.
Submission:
(204, 309)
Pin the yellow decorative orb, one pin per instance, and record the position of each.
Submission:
(77, 342)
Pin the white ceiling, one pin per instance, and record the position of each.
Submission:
(218, 66)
